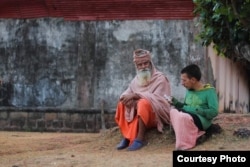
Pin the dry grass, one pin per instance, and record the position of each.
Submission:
(24, 149)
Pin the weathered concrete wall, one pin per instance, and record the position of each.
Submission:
(55, 63)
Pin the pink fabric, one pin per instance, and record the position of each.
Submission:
(143, 57)
(186, 132)
(153, 92)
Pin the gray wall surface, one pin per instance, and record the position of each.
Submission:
(51, 62)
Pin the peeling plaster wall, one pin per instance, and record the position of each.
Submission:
(56, 63)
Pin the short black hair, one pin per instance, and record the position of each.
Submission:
(192, 70)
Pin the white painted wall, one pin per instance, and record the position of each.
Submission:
(232, 83)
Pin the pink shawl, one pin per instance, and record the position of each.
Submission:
(153, 92)
(186, 132)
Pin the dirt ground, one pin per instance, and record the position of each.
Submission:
(33, 149)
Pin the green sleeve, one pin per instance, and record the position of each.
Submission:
(180, 105)
(211, 110)
(189, 109)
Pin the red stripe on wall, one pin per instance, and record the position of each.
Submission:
(98, 9)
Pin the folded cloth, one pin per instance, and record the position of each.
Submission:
(186, 132)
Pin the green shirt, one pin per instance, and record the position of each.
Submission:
(203, 103)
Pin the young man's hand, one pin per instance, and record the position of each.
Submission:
(169, 99)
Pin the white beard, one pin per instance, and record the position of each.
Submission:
(144, 76)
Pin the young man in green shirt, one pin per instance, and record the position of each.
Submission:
(191, 118)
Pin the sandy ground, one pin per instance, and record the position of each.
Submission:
(33, 149)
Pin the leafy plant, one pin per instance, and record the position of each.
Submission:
(226, 24)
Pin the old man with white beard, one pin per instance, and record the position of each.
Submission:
(142, 105)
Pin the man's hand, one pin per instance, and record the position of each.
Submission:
(129, 99)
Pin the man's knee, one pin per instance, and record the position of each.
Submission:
(120, 105)
(173, 112)
(143, 102)
(144, 107)
(144, 110)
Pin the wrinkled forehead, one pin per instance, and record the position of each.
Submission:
(137, 63)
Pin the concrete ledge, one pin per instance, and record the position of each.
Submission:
(55, 119)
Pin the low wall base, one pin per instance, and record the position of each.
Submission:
(55, 120)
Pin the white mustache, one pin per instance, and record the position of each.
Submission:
(145, 69)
